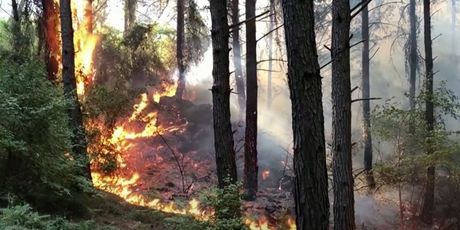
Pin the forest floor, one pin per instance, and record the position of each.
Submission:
(106, 209)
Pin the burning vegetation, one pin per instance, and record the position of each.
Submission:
(98, 121)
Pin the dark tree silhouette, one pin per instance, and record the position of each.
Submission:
(310, 187)
(365, 88)
(236, 47)
(223, 135)
(250, 144)
(180, 48)
(344, 217)
(68, 75)
(412, 43)
(428, 200)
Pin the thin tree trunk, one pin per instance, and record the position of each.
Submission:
(14, 8)
(16, 26)
(68, 74)
(412, 57)
(180, 49)
(428, 201)
(366, 103)
(51, 38)
(236, 45)
(310, 187)
(250, 144)
(223, 135)
(344, 217)
(130, 13)
(270, 54)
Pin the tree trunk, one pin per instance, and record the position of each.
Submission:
(51, 39)
(428, 201)
(270, 54)
(130, 13)
(250, 144)
(412, 56)
(236, 45)
(344, 217)
(180, 49)
(16, 27)
(310, 187)
(68, 74)
(366, 103)
(223, 135)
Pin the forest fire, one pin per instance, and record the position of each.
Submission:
(123, 188)
(140, 134)
(85, 42)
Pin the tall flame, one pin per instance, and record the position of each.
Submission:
(85, 42)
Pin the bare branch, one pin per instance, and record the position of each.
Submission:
(235, 26)
(269, 32)
(363, 5)
(366, 99)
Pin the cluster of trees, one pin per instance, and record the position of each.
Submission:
(304, 78)
(29, 104)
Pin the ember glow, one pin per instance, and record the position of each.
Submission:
(260, 224)
(265, 174)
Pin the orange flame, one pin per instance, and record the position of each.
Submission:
(265, 174)
(291, 224)
(260, 224)
(168, 90)
(85, 42)
(123, 187)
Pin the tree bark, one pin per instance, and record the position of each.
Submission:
(412, 56)
(78, 139)
(344, 217)
(16, 27)
(51, 39)
(428, 201)
(223, 135)
(270, 54)
(236, 45)
(365, 87)
(130, 14)
(180, 49)
(250, 144)
(310, 187)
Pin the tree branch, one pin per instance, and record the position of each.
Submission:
(362, 5)
(366, 99)
(269, 32)
(234, 26)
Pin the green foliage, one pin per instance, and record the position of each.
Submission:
(227, 203)
(196, 35)
(185, 223)
(403, 133)
(22, 217)
(35, 163)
